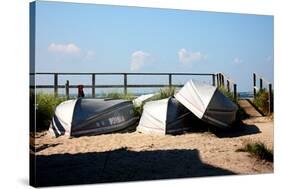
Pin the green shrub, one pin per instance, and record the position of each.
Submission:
(45, 106)
(259, 150)
(167, 92)
(228, 94)
(262, 101)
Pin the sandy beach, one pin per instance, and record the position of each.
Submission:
(137, 156)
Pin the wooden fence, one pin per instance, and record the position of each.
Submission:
(263, 83)
(217, 79)
(225, 82)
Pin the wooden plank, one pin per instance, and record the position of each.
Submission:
(248, 107)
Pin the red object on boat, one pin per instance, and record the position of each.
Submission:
(80, 91)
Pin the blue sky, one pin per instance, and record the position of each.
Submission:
(72, 37)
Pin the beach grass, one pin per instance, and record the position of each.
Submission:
(166, 92)
(228, 94)
(259, 150)
(163, 93)
(118, 95)
(262, 101)
(45, 107)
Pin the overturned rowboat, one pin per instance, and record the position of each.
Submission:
(166, 116)
(82, 116)
(207, 103)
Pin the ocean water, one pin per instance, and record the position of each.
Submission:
(244, 95)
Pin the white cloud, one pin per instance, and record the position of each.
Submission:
(188, 57)
(69, 48)
(138, 59)
(237, 60)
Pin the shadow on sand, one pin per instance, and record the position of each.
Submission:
(241, 129)
(121, 165)
(237, 130)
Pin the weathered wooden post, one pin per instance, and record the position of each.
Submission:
(67, 89)
(170, 81)
(222, 79)
(261, 84)
(125, 84)
(93, 85)
(254, 84)
(227, 85)
(235, 92)
(270, 98)
(217, 79)
(56, 84)
(214, 80)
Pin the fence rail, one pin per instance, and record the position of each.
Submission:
(220, 81)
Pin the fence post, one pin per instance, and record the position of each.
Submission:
(67, 89)
(170, 81)
(254, 83)
(214, 80)
(219, 77)
(125, 84)
(56, 84)
(235, 92)
(93, 85)
(222, 79)
(217, 80)
(227, 85)
(270, 98)
(261, 84)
